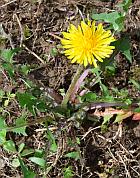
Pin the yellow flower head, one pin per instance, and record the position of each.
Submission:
(87, 43)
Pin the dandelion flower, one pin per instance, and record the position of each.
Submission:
(87, 43)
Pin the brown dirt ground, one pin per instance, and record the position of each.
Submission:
(103, 154)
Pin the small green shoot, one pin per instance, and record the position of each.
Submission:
(38, 161)
(75, 155)
(68, 172)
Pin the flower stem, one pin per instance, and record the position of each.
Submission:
(71, 87)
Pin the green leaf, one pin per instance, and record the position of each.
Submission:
(27, 173)
(111, 69)
(6, 102)
(25, 69)
(27, 31)
(125, 4)
(104, 89)
(68, 173)
(107, 118)
(41, 106)
(128, 101)
(38, 161)
(39, 153)
(95, 71)
(107, 17)
(75, 155)
(15, 162)
(120, 23)
(121, 117)
(12, 95)
(20, 147)
(2, 136)
(123, 93)
(19, 129)
(7, 54)
(128, 55)
(137, 110)
(53, 147)
(2, 130)
(78, 140)
(135, 83)
(28, 100)
(89, 97)
(108, 98)
(112, 18)
(51, 138)
(53, 52)
(2, 93)
(9, 146)
(123, 45)
(2, 123)
(3, 35)
(9, 68)
(30, 174)
(27, 152)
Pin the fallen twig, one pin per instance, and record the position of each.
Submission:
(4, 5)
(31, 52)
(21, 29)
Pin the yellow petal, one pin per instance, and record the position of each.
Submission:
(94, 61)
(84, 27)
(87, 42)
(85, 61)
(65, 42)
(98, 57)
(72, 29)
